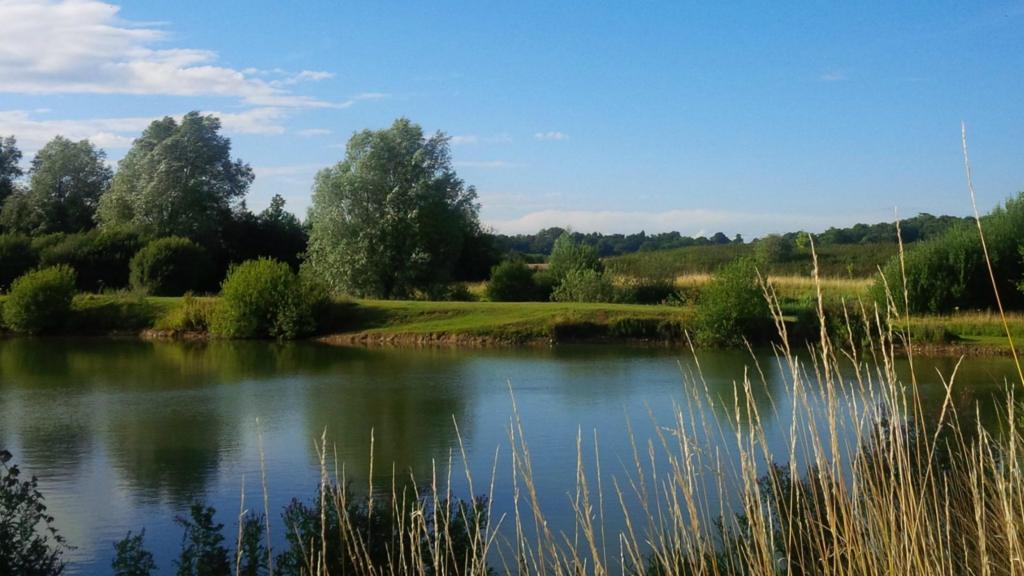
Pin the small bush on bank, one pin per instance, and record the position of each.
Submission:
(263, 298)
(567, 255)
(646, 291)
(584, 285)
(16, 257)
(511, 281)
(732, 307)
(194, 315)
(169, 267)
(40, 300)
(100, 257)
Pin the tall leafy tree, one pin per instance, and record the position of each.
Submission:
(391, 218)
(10, 170)
(66, 180)
(178, 179)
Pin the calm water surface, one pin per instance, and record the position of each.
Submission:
(124, 435)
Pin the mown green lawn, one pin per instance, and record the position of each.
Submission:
(510, 320)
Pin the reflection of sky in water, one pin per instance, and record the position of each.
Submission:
(123, 435)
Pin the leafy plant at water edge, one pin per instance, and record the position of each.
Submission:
(202, 550)
(29, 543)
(131, 557)
(40, 300)
(264, 298)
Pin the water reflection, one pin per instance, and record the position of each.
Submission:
(123, 434)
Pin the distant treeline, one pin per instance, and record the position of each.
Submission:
(921, 227)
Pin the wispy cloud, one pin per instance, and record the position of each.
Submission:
(691, 222)
(833, 76)
(311, 132)
(493, 164)
(84, 47)
(553, 135)
(468, 139)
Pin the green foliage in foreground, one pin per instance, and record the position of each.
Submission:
(264, 299)
(169, 266)
(29, 543)
(40, 300)
(732, 307)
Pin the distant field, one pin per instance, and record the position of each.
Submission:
(845, 260)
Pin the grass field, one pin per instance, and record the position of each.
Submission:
(846, 260)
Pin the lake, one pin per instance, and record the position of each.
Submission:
(124, 435)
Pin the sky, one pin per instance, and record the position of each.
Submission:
(738, 117)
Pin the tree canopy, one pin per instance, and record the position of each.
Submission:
(393, 216)
(66, 180)
(10, 171)
(178, 179)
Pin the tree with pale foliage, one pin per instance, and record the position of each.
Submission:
(178, 179)
(10, 170)
(66, 181)
(393, 216)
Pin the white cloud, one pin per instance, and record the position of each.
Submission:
(553, 136)
(691, 222)
(832, 76)
(468, 139)
(115, 133)
(311, 132)
(483, 164)
(84, 47)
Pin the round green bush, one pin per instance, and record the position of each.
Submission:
(263, 298)
(40, 300)
(16, 257)
(169, 267)
(511, 281)
(732, 307)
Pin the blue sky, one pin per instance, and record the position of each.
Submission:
(616, 117)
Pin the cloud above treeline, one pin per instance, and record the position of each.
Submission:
(693, 222)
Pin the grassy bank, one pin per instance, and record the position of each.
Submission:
(483, 323)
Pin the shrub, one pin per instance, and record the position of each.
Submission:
(646, 291)
(949, 271)
(567, 255)
(169, 267)
(100, 257)
(773, 249)
(511, 281)
(584, 285)
(16, 257)
(40, 300)
(732, 307)
(543, 285)
(264, 298)
(29, 544)
(194, 315)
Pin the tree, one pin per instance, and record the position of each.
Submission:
(568, 255)
(391, 218)
(10, 171)
(178, 180)
(66, 180)
(29, 543)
